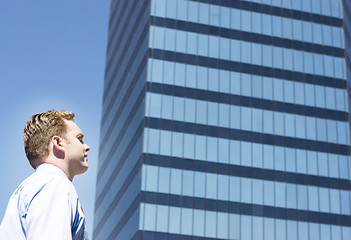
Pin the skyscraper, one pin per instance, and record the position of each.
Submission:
(226, 119)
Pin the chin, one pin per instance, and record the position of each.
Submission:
(85, 168)
(82, 168)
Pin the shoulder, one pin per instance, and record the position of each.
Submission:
(58, 185)
(46, 185)
(53, 178)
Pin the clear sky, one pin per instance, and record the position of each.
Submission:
(52, 56)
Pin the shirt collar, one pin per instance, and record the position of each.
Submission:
(47, 167)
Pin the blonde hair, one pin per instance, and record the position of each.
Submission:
(39, 130)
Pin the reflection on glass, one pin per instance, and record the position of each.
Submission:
(188, 183)
(280, 226)
(186, 221)
(199, 220)
(210, 224)
(150, 217)
(174, 220)
(246, 227)
(162, 218)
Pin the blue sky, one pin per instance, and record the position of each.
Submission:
(52, 56)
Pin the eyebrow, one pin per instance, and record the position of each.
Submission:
(80, 135)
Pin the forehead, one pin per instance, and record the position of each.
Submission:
(72, 127)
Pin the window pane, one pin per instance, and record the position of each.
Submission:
(287, 28)
(290, 158)
(246, 227)
(222, 223)
(268, 193)
(277, 26)
(203, 13)
(212, 149)
(212, 113)
(223, 150)
(188, 183)
(289, 91)
(246, 118)
(166, 143)
(345, 202)
(162, 218)
(257, 118)
(211, 186)
(322, 164)
(150, 217)
(325, 232)
(313, 198)
(334, 200)
(223, 187)
(246, 190)
(186, 221)
(279, 158)
(246, 21)
(179, 74)
(269, 228)
(289, 125)
(193, 10)
(201, 112)
(257, 191)
(199, 222)
(324, 199)
(224, 84)
(176, 181)
(189, 141)
(257, 155)
(202, 77)
(234, 226)
(292, 230)
(210, 225)
(291, 195)
(234, 189)
(267, 88)
(174, 220)
(301, 161)
(302, 197)
(224, 115)
(312, 162)
(246, 153)
(171, 9)
(177, 144)
(268, 121)
(317, 33)
(303, 230)
(256, 86)
(267, 28)
(257, 228)
(280, 229)
(199, 184)
(268, 156)
(153, 141)
(344, 165)
(191, 43)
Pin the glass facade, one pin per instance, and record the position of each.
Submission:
(226, 119)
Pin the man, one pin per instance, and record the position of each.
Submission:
(46, 205)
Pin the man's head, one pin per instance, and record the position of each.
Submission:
(39, 131)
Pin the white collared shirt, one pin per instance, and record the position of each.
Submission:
(44, 206)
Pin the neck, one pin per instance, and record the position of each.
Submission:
(59, 163)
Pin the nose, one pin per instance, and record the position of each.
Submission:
(87, 148)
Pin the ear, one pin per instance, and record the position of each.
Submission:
(57, 145)
(57, 142)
